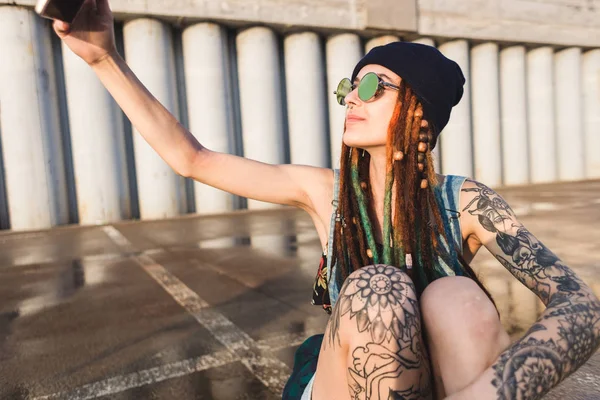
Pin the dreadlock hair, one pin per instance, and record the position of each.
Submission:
(417, 221)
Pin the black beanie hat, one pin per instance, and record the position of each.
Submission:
(436, 80)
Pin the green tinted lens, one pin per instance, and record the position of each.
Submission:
(368, 86)
(344, 87)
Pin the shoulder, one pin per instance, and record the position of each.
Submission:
(483, 208)
(308, 177)
(317, 183)
(474, 195)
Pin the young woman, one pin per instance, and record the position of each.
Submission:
(409, 318)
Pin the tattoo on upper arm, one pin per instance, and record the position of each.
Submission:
(523, 254)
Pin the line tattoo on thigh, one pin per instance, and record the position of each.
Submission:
(382, 302)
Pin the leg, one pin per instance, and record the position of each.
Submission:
(463, 330)
(373, 339)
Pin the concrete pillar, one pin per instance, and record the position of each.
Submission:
(591, 112)
(486, 114)
(513, 100)
(4, 215)
(96, 126)
(569, 115)
(437, 153)
(540, 105)
(206, 67)
(260, 86)
(260, 98)
(307, 106)
(426, 41)
(343, 53)
(457, 156)
(380, 41)
(149, 52)
(31, 136)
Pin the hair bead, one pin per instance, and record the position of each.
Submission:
(398, 156)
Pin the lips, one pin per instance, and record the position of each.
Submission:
(353, 118)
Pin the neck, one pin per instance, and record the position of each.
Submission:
(377, 172)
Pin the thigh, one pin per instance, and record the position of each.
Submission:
(374, 340)
(464, 333)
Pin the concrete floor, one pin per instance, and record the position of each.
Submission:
(187, 309)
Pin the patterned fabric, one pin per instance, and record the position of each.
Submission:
(320, 292)
(305, 365)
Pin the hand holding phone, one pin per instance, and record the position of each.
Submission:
(85, 26)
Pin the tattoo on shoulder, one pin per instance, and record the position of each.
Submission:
(491, 209)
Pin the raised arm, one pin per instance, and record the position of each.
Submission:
(281, 184)
(567, 333)
(91, 37)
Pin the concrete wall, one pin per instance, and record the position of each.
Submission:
(333, 14)
(514, 126)
(559, 22)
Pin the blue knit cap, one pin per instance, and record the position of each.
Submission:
(436, 80)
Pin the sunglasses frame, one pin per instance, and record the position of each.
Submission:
(381, 85)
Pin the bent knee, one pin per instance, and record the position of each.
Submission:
(377, 304)
(459, 303)
(380, 281)
(380, 299)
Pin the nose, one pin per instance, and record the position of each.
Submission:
(352, 97)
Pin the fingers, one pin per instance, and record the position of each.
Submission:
(61, 28)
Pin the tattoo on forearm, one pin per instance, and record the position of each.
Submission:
(533, 366)
(528, 370)
(382, 303)
(569, 331)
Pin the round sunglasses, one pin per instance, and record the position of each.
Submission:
(369, 86)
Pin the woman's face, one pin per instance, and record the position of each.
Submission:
(367, 122)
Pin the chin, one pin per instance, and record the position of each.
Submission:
(356, 138)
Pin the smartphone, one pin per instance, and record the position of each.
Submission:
(63, 10)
